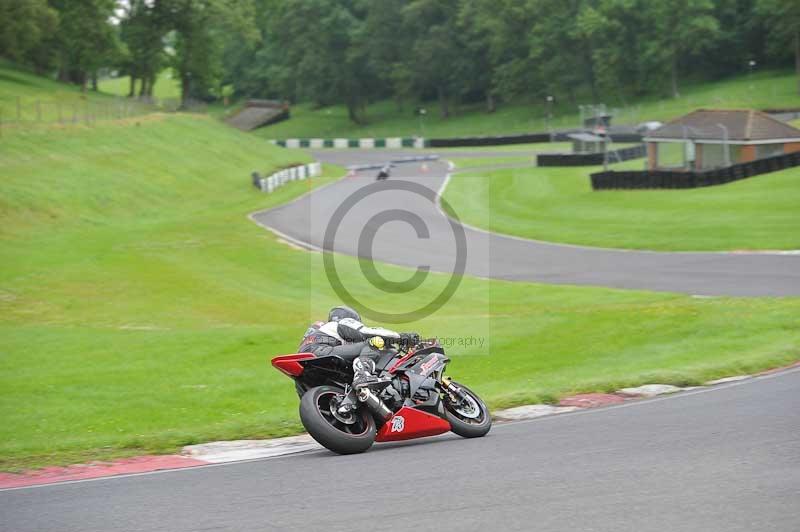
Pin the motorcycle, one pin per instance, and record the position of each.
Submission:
(384, 173)
(412, 399)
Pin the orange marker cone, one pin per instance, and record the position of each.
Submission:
(424, 167)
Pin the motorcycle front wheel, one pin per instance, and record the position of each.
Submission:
(343, 434)
(469, 418)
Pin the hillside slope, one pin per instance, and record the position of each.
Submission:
(762, 90)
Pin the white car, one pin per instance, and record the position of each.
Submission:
(644, 127)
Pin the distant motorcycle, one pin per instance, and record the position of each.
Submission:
(383, 173)
(413, 399)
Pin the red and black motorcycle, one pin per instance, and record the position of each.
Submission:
(412, 400)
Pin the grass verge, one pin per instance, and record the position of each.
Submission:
(473, 162)
(558, 205)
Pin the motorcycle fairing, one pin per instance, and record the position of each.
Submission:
(409, 423)
(290, 364)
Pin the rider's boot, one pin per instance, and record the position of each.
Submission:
(364, 370)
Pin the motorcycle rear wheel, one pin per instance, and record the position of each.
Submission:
(459, 418)
(328, 430)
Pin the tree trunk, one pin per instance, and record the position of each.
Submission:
(491, 106)
(590, 78)
(443, 104)
(186, 87)
(151, 81)
(94, 80)
(132, 87)
(352, 111)
(143, 87)
(674, 76)
(797, 58)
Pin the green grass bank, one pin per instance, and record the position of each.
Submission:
(558, 205)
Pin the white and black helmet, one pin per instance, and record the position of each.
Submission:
(341, 312)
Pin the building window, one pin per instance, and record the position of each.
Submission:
(713, 155)
(670, 155)
(768, 150)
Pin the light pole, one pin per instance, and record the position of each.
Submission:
(422, 112)
(751, 65)
(685, 147)
(725, 146)
(549, 116)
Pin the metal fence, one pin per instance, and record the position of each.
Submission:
(22, 112)
(591, 159)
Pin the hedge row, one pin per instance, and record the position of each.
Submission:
(675, 179)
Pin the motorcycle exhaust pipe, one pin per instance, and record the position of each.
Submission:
(375, 404)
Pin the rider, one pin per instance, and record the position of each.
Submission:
(344, 335)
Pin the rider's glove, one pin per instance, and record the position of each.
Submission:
(376, 342)
(409, 339)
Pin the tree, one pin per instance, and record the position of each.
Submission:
(328, 65)
(25, 23)
(783, 17)
(385, 43)
(83, 38)
(492, 31)
(143, 29)
(560, 49)
(681, 28)
(436, 62)
(201, 29)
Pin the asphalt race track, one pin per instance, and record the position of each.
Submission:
(721, 459)
(496, 256)
(725, 459)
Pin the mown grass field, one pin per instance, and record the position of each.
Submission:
(166, 86)
(762, 90)
(558, 205)
(472, 162)
(139, 306)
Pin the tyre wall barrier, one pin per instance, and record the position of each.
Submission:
(498, 140)
(387, 142)
(281, 177)
(676, 179)
(590, 159)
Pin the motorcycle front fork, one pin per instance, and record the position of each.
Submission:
(454, 392)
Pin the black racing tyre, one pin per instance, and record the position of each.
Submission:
(329, 430)
(471, 420)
